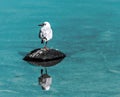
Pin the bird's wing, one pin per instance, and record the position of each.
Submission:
(43, 35)
(46, 33)
(49, 34)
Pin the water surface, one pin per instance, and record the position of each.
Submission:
(86, 31)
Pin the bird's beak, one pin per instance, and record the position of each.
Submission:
(41, 24)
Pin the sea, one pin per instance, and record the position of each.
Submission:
(87, 31)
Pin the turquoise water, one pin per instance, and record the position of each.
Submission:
(86, 31)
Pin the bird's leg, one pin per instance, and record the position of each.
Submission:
(42, 41)
(41, 71)
(46, 44)
(45, 47)
(45, 70)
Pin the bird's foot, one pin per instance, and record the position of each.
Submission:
(45, 48)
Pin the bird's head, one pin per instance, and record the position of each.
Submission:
(45, 24)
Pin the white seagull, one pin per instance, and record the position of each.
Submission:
(45, 33)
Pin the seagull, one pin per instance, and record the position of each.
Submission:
(45, 33)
